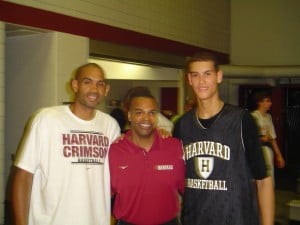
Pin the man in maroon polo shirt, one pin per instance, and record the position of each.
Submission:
(147, 171)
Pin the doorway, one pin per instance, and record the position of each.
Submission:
(285, 113)
(169, 101)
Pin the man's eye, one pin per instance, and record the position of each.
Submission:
(152, 113)
(86, 81)
(101, 84)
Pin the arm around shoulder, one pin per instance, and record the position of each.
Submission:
(20, 195)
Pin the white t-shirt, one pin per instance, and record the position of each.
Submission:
(264, 123)
(67, 155)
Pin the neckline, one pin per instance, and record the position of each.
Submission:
(80, 120)
(263, 114)
(153, 145)
(198, 121)
(72, 110)
(213, 118)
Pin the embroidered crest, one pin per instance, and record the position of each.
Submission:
(204, 166)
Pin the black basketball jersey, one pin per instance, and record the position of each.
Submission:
(219, 186)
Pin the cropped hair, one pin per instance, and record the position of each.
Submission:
(203, 56)
(79, 69)
(140, 91)
(261, 95)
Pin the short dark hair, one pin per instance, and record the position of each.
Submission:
(140, 91)
(202, 57)
(261, 95)
(80, 68)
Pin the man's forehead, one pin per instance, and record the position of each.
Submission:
(266, 99)
(90, 72)
(141, 102)
(201, 65)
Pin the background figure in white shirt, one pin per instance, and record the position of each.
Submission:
(164, 123)
(267, 133)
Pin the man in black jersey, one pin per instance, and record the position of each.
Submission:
(226, 176)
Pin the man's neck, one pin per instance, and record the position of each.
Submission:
(84, 114)
(208, 109)
(143, 142)
(262, 111)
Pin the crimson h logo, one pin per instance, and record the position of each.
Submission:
(204, 166)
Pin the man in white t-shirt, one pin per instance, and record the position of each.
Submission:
(267, 132)
(60, 174)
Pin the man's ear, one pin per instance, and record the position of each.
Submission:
(220, 76)
(129, 116)
(74, 85)
(189, 79)
(107, 89)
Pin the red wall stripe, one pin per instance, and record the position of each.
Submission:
(28, 16)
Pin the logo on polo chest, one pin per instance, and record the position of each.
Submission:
(164, 167)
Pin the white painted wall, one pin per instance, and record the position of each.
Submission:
(37, 69)
(72, 51)
(197, 22)
(265, 32)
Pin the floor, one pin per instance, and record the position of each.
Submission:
(282, 209)
(287, 189)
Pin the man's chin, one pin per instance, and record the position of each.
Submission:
(93, 105)
(146, 134)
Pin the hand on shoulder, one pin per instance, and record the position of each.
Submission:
(163, 133)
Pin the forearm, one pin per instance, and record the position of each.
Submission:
(266, 200)
(279, 160)
(20, 196)
(275, 148)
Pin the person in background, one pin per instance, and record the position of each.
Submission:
(164, 123)
(226, 176)
(267, 132)
(119, 115)
(60, 174)
(189, 104)
(147, 171)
